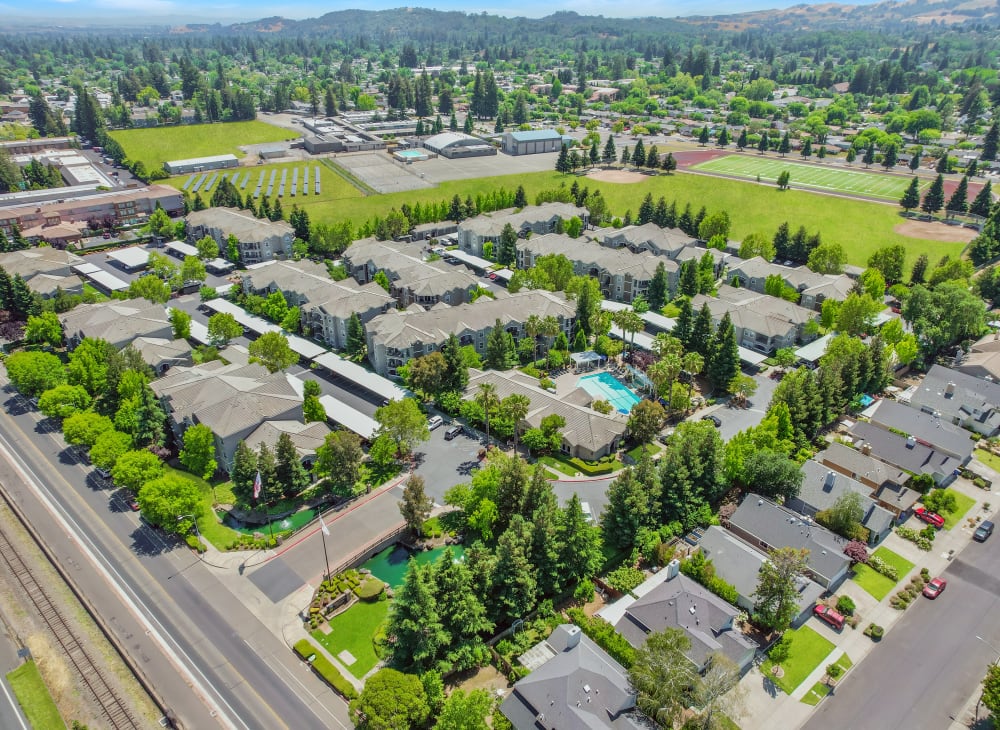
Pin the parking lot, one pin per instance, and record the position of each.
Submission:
(102, 260)
(738, 419)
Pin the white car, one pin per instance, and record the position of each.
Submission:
(434, 421)
(588, 515)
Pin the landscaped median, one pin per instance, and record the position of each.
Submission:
(325, 669)
(833, 674)
(573, 467)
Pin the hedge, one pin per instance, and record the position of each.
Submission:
(325, 669)
(604, 635)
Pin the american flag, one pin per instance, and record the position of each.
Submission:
(257, 485)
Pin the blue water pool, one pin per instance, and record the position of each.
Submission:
(412, 154)
(611, 389)
(866, 400)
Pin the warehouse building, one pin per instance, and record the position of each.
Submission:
(532, 142)
(457, 145)
(200, 164)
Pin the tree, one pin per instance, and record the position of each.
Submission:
(63, 401)
(501, 352)
(724, 360)
(663, 676)
(356, 342)
(391, 700)
(873, 284)
(889, 261)
(991, 682)
(514, 578)
(134, 469)
(919, 269)
(44, 329)
(32, 373)
(462, 613)
(427, 373)
(845, 516)
(658, 289)
(984, 200)
(515, 408)
(827, 258)
(180, 322)
(108, 447)
(934, 197)
(958, 202)
(272, 351)
(166, 501)
(339, 460)
(290, 474)
(487, 399)
(151, 288)
(772, 474)
(243, 472)
(404, 423)
(645, 421)
(507, 253)
(580, 555)
(631, 505)
(415, 506)
(198, 454)
(776, 593)
(83, 428)
(192, 269)
(207, 247)
(223, 327)
(857, 314)
(562, 162)
(990, 142)
(742, 387)
(463, 711)
(610, 154)
(719, 691)
(784, 179)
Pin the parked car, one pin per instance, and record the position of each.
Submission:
(716, 421)
(931, 518)
(982, 532)
(829, 615)
(131, 501)
(434, 422)
(452, 432)
(935, 587)
(588, 514)
(103, 473)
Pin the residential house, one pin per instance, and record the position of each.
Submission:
(398, 335)
(647, 237)
(739, 564)
(412, 280)
(814, 288)
(905, 452)
(622, 275)
(670, 600)
(307, 437)
(232, 400)
(325, 306)
(959, 398)
(762, 323)
(822, 488)
(927, 428)
(533, 219)
(587, 434)
(886, 482)
(162, 354)
(116, 321)
(257, 239)
(983, 359)
(44, 269)
(766, 526)
(573, 684)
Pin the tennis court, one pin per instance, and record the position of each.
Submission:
(870, 183)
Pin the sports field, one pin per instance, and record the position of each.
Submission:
(869, 183)
(332, 187)
(157, 145)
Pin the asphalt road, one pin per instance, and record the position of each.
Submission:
(216, 664)
(926, 668)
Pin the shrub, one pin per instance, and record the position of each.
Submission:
(846, 605)
(604, 635)
(370, 590)
(584, 592)
(194, 543)
(940, 501)
(834, 670)
(876, 632)
(325, 669)
(625, 578)
(922, 541)
(857, 551)
(880, 566)
(781, 649)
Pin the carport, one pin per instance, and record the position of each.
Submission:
(131, 259)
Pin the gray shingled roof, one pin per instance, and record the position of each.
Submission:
(586, 254)
(246, 227)
(860, 465)
(423, 278)
(971, 398)
(117, 321)
(925, 427)
(893, 449)
(39, 260)
(822, 487)
(312, 283)
(491, 224)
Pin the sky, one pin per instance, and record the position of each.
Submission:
(58, 12)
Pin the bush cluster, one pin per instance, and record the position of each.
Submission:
(906, 596)
(874, 631)
(880, 566)
(604, 635)
(845, 605)
(625, 578)
(248, 542)
(923, 539)
(325, 669)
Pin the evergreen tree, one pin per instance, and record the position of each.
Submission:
(656, 294)
(610, 154)
(646, 209)
(742, 142)
(639, 154)
(688, 279)
(628, 510)
(911, 198)
(669, 163)
(22, 301)
(461, 612)
(453, 123)
(356, 342)
(562, 162)
(958, 202)
(662, 213)
(456, 371)
(626, 155)
(580, 556)
(685, 322)
(762, 144)
(782, 242)
(703, 136)
(934, 197)
(511, 485)
(515, 586)
(942, 164)
(890, 156)
(919, 271)
(292, 476)
(990, 142)
(914, 163)
(983, 202)
(724, 362)
(869, 157)
(243, 472)
(520, 198)
(414, 624)
(785, 146)
(700, 340)
(267, 467)
(507, 253)
(501, 353)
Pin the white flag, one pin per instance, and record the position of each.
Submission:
(323, 526)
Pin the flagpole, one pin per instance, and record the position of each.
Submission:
(324, 532)
(267, 516)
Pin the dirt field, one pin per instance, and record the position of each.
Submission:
(935, 231)
(616, 176)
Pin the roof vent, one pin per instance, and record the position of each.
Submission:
(830, 479)
(586, 688)
(949, 390)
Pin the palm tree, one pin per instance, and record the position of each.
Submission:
(664, 344)
(532, 328)
(694, 363)
(487, 398)
(549, 327)
(516, 407)
(629, 323)
(664, 372)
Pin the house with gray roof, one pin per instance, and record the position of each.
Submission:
(325, 305)
(232, 400)
(412, 280)
(162, 354)
(671, 600)
(307, 437)
(588, 434)
(959, 398)
(905, 452)
(982, 360)
(646, 237)
(814, 288)
(739, 564)
(822, 487)
(929, 429)
(398, 335)
(118, 321)
(530, 220)
(258, 239)
(762, 323)
(44, 269)
(574, 685)
(766, 526)
(887, 482)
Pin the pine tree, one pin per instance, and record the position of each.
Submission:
(685, 323)
(639, 154)
(610, 154)
(742, 142)
(911, 198)
(782, 242)
(669, 163)
(515, 586)
(934, 197)
(453, 123)
(983, 202)
(702, 331)
(958, 202)
(626, 155)
(724, 362)
(520, 198)
(267, 467)
(355, 344)
(688, 279)
(762, 144)
(292, 476)
(914, 163)
(562, 162)
(627, 510)
(890, 156)
(507, 252)
(461, 612)
(704, 136)
(414, 626)
(990, 142)
(593, 157)
(785, 146)
(243, 472)
(646, 209)
(580, 556)
(656, 294)
(942, 163)
(919, 271)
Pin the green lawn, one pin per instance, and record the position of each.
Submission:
(820, 176)
(560, 466)
(208, 524)
(990, 459)
(808, 650)
(34, 697)
(901, 564)
(157, 145)
(333, 188)
(814, 695)
(353, 630)
(962, 505)
(876, 584)
(636, 453)
(859, 226)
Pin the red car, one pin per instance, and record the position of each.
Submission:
(935, 587)
(827, 614)
(931, 518)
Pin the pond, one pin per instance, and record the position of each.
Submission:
(390, 565)
(291, 522)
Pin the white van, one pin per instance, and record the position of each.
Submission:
(434, 421)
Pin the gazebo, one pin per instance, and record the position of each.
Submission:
(586, 360)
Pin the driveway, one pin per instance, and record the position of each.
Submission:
(735, 420)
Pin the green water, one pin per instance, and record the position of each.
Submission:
(292, 522)
(390, 564)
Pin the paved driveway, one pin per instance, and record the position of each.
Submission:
(735, 420)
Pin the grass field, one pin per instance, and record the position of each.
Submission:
(807, 651)
(34, 698)
(208, 525)
(962, 505)
(859, 226)
(818, 176)
(157, 145)
(333, 188)
(353, 630)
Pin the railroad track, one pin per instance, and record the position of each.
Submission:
(115, 711)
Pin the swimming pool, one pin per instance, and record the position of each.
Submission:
(410, 155)
(611, 389)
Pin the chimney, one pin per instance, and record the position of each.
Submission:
(830, 479)
(572, 636)
(866, 449)
(673, 569)
(949, 390)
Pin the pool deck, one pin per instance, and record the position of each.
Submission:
(568, 381)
